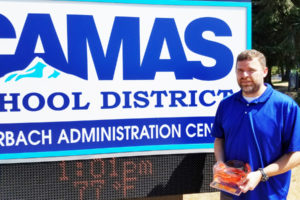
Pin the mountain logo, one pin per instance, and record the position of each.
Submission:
(37, 69)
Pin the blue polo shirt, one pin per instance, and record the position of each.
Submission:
(276, 122)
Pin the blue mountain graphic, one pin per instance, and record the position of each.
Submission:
(37, 69)
(34, 72)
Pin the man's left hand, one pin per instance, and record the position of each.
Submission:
(251, 181)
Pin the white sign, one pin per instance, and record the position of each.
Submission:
(82, 79)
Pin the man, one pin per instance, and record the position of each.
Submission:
(259, 126)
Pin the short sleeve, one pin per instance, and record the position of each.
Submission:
(217, 130)
(291, 135)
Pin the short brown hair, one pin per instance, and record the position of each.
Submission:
(252, 54)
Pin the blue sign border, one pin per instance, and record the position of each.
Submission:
(105, 151)
(248, 7)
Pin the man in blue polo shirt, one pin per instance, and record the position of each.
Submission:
(259, 126)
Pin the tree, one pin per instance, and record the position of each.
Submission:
(276, 32)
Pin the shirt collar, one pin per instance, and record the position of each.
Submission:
(263, 98)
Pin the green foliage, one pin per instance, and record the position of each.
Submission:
(296, 2)
(276, 32)
(275, 70)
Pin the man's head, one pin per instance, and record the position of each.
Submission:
(251, 70)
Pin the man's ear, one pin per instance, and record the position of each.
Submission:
(266, 71)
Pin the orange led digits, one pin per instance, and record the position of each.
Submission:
(92, 177)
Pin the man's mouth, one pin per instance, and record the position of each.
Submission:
(246, 83)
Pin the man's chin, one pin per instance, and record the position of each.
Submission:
(248, 90)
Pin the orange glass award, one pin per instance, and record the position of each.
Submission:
(230, 175)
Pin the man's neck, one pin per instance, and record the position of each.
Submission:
(261, 90)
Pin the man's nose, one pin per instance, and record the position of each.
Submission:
(245, 74)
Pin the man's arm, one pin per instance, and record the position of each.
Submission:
(283, 164)
(219, 149)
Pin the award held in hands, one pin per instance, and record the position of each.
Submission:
(230, 175)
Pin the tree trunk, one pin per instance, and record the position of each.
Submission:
(268, 78)
(282, 72)
(287, 73)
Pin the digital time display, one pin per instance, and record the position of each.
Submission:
(97, 174)
(109, 178)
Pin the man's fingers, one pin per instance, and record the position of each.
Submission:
(244, 188)
(247, 186)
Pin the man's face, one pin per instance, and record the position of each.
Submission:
(250, 76)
